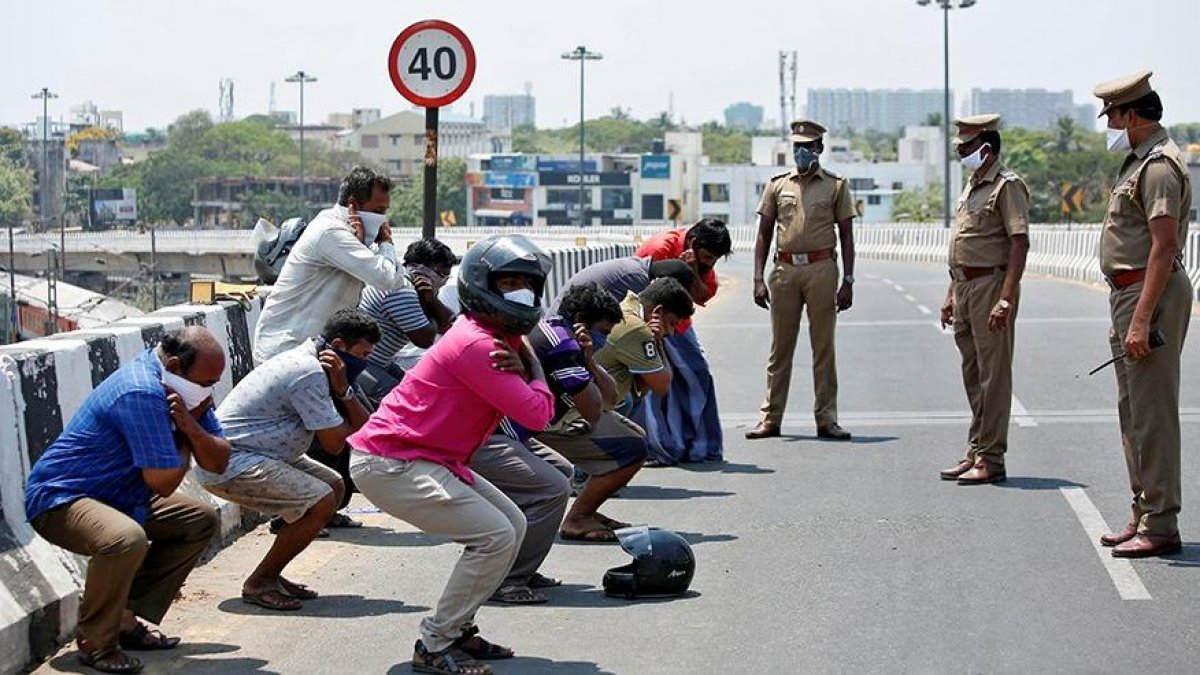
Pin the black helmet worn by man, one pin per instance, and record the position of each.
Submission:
(495, 257)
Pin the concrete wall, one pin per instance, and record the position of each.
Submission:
(43, 382)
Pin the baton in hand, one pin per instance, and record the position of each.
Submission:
(1156, 340)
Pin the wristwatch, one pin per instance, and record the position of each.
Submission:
(349, 393)
(849, 278)
(1004, 304)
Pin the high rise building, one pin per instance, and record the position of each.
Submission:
(1033, 109)
(887, 110)
(744, 116)
(509, 110)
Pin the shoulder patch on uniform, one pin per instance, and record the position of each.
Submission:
(831, 174)
(781, 174)
(650, 350)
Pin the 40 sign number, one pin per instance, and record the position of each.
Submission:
(431, 63)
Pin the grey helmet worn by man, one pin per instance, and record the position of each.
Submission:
(499, 255)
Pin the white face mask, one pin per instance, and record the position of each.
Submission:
(1118, 140)
(371, 224)
(522, 297)
(192, 394)
(974, 160)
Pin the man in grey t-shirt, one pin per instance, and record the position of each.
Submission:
(620, 276)
(270, 419)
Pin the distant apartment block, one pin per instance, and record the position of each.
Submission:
(508, 111)
(396, 143)
(1033, 109)
(744, 116)
(886, 110)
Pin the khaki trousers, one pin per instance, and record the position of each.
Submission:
(537, 480)
(132, 566)
(478, 516)
(986, 366)
(1148, 404)
(794, 288)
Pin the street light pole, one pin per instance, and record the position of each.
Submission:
(45, 94)
(946, 6)
(302, 77)
(581, 54)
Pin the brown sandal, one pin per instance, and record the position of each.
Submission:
(449, 661)
(142, 638)
(111, 660)
(479, 649)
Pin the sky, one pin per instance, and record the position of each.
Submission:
(156, 59)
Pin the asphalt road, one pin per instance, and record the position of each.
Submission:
(813, 556)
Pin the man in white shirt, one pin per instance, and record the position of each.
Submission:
(330, 265)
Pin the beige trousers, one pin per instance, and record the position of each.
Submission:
(132, 566)
(478, 516)
(793, 289)
(986, 366)
(1148, 404)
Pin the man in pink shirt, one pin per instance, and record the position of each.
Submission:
(411, 458)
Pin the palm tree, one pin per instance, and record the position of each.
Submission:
(1066, 136)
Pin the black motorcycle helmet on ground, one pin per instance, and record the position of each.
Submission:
(495, 256)
(663, 564)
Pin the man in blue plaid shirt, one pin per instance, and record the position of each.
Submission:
(106, 488)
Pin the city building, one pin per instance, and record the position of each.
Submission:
(220, 202)
(396, 143)
(661, 187)
(1033, 109)
(886, 110)
(744, 116)
(354, 119)
(507, 111)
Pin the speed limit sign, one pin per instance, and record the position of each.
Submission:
(432, 63)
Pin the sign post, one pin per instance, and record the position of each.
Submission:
(431, 63)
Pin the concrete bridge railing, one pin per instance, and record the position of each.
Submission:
(43, 382)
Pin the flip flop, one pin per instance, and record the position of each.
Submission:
(599, 535)
(272, 599)
(518, 595)
(298, 591)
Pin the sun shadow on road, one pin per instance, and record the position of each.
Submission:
(177, 659)
(725, 467)
(593, 597)
(1037, 483)
(369, 535)
(657, 492)
(328, 607)
(854, 440)
(528, 664)
(1188, 557)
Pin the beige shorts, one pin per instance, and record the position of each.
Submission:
(278, 488)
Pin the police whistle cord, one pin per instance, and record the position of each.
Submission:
(1156, 340)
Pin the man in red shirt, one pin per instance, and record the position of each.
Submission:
(696, 435)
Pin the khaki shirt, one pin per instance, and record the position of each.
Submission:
(806, 209)
(1153, 183)
(993, 208)
(630, 349)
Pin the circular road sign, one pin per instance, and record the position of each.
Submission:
(431, 63)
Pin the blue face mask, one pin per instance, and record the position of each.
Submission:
(806, 160)
(599, 339)
(354, 365)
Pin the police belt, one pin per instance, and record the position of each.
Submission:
(965, 273)
(804, 258)
(1127, 278)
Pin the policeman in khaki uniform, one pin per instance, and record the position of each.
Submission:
(1141, 248)
(809, 210)
(987, 258)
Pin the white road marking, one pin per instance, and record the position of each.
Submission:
(898, 287)
(1020, 415)
(909, 298)
(1124, 576)
(925, 310)
(887, 281)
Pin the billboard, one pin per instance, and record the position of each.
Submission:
(656, 166)
(566, 178)
(513, 163)
(564, 165)
(112, 205)
(510, 179)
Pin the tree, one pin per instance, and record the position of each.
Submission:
(920, 205)
(16, 193)
(408, 200)
(933, 120)
(1066, 136)
(189, 129)
(725, 145)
